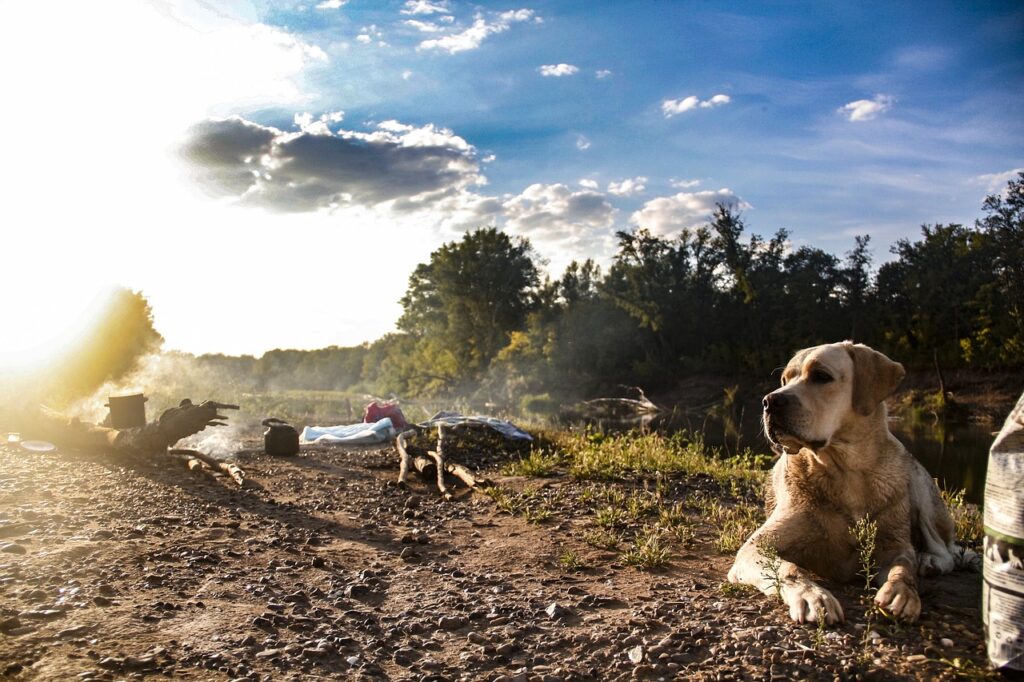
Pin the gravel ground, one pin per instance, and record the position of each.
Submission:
(321, 567)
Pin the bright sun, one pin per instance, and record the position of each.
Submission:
(42, 325)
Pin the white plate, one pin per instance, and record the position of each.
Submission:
(38, 445)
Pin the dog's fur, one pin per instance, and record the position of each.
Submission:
(838, 464)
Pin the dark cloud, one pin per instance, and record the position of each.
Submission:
(314, 169)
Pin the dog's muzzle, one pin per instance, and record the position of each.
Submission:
(775, 421)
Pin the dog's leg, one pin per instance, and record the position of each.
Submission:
(897, 564)
(939, 553)
(807, 601)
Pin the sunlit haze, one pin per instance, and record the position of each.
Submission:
(559, 121)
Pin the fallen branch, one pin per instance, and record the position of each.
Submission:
(436, 463)
(194, 458)
(439, 459)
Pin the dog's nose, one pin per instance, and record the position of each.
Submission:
(774, 401)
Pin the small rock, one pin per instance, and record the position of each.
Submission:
(946, 642)
(556, 611)
(12, 548)
(643, 672)
(406, 657)
(636, 654)
(42, 614)
(358, 591)
(506, 649)
(76, 631)
(101, 601)
(8, 624)
(477, 638)
(261, 622)
(916, 658)
(451, 622)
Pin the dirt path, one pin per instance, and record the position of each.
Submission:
(323, 569)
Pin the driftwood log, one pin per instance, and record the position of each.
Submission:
(436, 462)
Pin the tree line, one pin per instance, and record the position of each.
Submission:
(480, 320)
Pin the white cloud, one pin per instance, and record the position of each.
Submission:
(472, 37)
(996, 181)
(628, 187)
(332, 4)
(602, 73)
(307, 124)
(684, 184)
(866, 109)
(425, 7)
(406, 75)
(667, 215)
(558, 70)
(588, 183)
(582, 143)
(673, 107)
(556, 214)
(424, 26)
(368, 34)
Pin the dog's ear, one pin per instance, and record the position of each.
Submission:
(875, 377)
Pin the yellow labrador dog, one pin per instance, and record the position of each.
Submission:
(839, 464)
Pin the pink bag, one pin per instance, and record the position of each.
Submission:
(376, 411)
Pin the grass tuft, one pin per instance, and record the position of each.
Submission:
(648, 550)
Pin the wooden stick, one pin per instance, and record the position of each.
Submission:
(439, 456)
(424, 465)
(404, 458)
(463, 474)
(228, 468)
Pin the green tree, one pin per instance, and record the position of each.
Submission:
(999, 335)
(463, 305)
(928, 295)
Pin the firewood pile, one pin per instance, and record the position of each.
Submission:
(434, 464)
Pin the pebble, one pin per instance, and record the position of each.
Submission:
(946, 643)
(12, 548)
(556, 611)
(636, 654)
(406, 657)
(451, 622)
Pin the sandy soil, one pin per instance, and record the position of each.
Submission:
(322, 568)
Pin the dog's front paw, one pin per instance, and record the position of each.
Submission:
(899, 599)
(809, 603)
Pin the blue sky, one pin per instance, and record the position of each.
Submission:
(386, 128)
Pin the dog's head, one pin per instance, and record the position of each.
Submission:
(827, 388)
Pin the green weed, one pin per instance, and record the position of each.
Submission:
(967, 518)
(571, 561)
(537, 464)
(602, 539)
(648, 550)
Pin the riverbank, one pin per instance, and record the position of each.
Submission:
(596, 557)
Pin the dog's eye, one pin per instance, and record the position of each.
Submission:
(820, 377)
